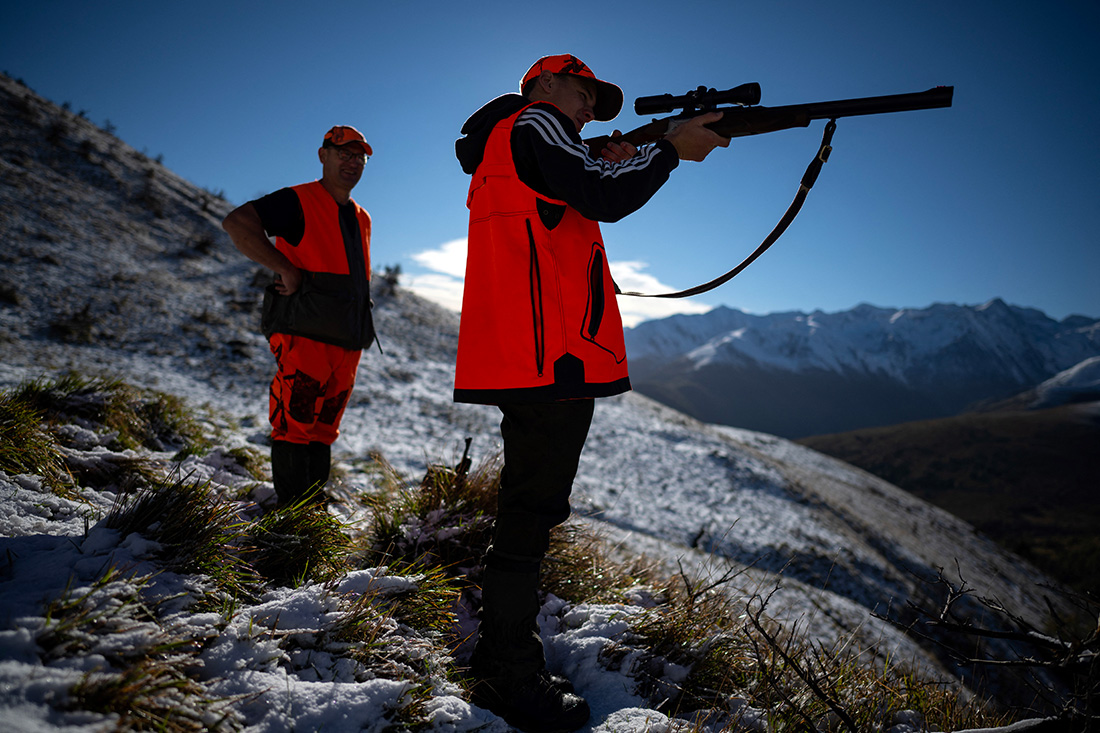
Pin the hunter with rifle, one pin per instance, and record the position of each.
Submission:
(540, 334)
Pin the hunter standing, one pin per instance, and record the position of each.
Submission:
(316, 313)
(541, 337)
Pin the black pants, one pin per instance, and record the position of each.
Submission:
(542, 448)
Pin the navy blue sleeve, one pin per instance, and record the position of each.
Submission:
(552, 159)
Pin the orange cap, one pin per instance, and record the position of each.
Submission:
(345, 135)
(609, 98)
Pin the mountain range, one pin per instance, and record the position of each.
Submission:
(801, 374)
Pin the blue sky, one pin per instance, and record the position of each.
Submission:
(995, 197)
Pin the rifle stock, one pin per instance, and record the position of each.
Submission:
(738, 121)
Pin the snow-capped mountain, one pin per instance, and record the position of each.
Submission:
(797, 374)
(1079, 383)
(115, 266)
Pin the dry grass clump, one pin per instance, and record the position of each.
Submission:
(25, 448)
(193, 527)
(579, 568)
(151, 420)
(146, 676)
(734, 661)
(443, 521)
(35, 415)
(295, 544)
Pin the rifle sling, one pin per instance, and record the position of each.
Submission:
(808, 180)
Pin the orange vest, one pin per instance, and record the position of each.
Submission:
(322, 245)
(539, 318)
(332, 304)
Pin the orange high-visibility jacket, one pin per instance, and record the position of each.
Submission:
(539, 318)
(333, 303)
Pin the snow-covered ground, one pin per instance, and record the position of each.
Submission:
(104, 283)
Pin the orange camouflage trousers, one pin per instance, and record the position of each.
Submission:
(310, 389)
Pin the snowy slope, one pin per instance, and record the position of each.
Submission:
(1079, 383)
(113, 265)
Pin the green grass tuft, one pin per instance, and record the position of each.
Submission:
(193, 527)
(297, 543)
(147, 419)
(25, 448)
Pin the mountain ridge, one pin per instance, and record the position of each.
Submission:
(797, 374)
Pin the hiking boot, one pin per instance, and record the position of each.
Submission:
(562, 683)
(533, 704)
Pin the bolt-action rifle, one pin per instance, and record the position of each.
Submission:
(742, 118)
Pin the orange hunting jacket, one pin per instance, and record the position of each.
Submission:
(539, 318)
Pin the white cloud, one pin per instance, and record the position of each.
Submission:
(438, 288)
(630, 276)
(448, 258)
(443, 285)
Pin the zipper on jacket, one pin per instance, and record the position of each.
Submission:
(538, 320)
(595, 293)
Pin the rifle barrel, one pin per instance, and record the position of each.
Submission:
(741, 121)
(931, 99)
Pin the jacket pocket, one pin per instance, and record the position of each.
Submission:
(596, 308)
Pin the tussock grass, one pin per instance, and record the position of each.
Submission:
(252, 461)
(579, 569)
(445, 520)
(396, 631)
(123, 473)
(150, 695)
(26, 448)
(151, 420)
(428, 605)
(732, 652)
(298, 543)
(193, 527)
(33, 411)
(147, 683)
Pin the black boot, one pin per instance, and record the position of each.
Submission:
(320, 465)
(533, 704)
(290, 471)
(508, 662)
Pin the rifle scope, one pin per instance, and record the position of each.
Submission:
(700, 99)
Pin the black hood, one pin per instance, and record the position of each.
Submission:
(470, 149)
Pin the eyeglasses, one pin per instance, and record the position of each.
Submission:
(351, 157)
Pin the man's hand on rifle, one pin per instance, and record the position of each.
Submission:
(618, 152)
(693, 141)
